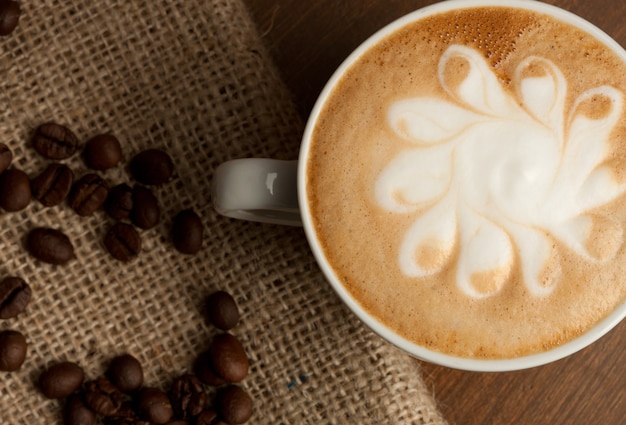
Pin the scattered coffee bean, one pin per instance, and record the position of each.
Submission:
(102, 152)
(122, 241)
(6, 156)
(15, 192)
(49, 245)
(178, 422)
(154, 406)
(126, 373)
(88, 194)
(54, 141)
(15, 295)
(207, 417)
(13, 349)
(203, 369)
(102, 397)
(233, 404)
(119, 202)
(187, 232)
(61, 379)
(222, 310)
(76, 412)
(53, 184)
(187, 396)
(228, 358)
(152, 167)
(9, 16)
(146, 212)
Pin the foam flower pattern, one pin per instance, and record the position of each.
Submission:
(495, 175)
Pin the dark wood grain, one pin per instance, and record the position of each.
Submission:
(308, 40)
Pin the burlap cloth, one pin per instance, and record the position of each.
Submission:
(193, 78)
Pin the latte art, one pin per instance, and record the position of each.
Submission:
(466, 181)
(499, 174)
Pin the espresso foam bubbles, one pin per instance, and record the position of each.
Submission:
(465, 186)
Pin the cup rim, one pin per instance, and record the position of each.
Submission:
(470, 364)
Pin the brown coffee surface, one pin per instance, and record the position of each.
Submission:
(353, 144)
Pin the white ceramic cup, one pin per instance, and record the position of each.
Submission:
(273, 191)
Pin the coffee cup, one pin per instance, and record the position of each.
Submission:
(461, 186)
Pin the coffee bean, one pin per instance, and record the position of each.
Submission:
(146, 212)
(228, 358)
(13, 349)
(126, 373)
(76, 412)
(6, 156)
(14, 296)
(49, 245)
(187, 232)
(154, 406)
(102, 152)
(61, 379)
(88, 194)
(15, 192)
(222, 310)
(53, 184)
(102, 397)
(233, 404)
(9, 16)
(178, 422)
(207, 417)
(54, 141)
(122, 241)
(152, 167)
(119, 202)
(203, 369)
(187, 396)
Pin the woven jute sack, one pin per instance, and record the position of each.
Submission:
(191, 78)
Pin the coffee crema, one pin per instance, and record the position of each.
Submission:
(466, 181)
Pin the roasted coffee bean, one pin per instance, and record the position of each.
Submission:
(55, 141)
(53, 184)
(6, 156)
(188, 396)
(49, 245)
(222, 310)
(116, 420)
(154, 406)
(233, 404)
(228, 358)
(61, 379)
(146, 212)
(102, 397)
(9, 16)
(122, 241)
(119, 202)
(203, 369)
(15, 192)
(207, 417)
(76, 412)
(152, 167)
(13, 349)
(14, 296)
(102, 152)
(88, 194)
(126, 373)
(187, 232)
(178, 422)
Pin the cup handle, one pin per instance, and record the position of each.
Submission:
(257, 189)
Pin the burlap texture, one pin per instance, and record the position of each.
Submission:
(192, 78)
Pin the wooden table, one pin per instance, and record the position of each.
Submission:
(308, 40)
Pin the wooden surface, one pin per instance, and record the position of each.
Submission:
(308, 40)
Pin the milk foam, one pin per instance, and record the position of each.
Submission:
(496, 176)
